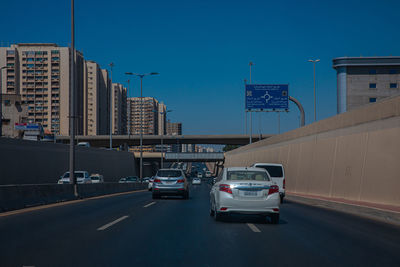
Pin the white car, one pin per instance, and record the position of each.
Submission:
(97, 178)
(208, 174)
(199, 175)
(196, 181)
(245, 190)
(84, 144)
(277, 174)
(82, 177)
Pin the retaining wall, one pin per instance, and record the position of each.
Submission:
(31, 162)
(355, 155)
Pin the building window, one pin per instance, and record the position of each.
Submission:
(372, 99)
(372, 71)
(372, 85)
(393, 85)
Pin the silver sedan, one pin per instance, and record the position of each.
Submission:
(245, 190)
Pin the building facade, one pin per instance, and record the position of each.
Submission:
(150, 115)
(40, 73)
(13, 111)
(162, 118)
(363, 80)
(119, 109)
(175, 128)
(95, 118)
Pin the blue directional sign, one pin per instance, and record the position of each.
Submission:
(267, 97)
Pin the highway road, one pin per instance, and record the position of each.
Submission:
(134, 230)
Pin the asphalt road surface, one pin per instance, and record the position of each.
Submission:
(134, 230)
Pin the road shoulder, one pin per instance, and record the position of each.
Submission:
(391, 216)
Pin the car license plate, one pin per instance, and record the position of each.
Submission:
(250, 193)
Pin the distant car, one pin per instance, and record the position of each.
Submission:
(245, 190)
(122, 180)
(146, 180)
(82, 177)
(277, 174)
(85, 144)
(199, 175)
(208, 174)
(170, 182)
(97, 178)
(196, 181)
(131, 179)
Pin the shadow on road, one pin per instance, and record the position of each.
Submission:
(242, 218)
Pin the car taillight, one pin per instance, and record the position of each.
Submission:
(284, 183)
(157, 181)
(225, 188)
(273, 189)
(180, 181)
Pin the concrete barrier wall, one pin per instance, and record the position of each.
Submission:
(22, 196)
(359, 162)
(30, 162)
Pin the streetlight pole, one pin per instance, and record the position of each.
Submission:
(251, 115)
(315, 99)
(141, 115)
(162, 140)
(1, 100)
(72, 106)
(111, 94)
(245, 110)
(129, 114)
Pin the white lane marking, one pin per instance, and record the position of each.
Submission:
(104, 227)
(148, 205)
(253, 228)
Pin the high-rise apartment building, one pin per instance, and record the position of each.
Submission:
(150, 115)
(40, 73)
(363, 80)
(95, 118)
(119, 109)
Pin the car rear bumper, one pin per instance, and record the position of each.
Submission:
(250, 211)
(250, 206)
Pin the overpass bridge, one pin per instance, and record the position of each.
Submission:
(134, 140)
(183, 157)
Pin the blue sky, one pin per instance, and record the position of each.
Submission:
(202, 49)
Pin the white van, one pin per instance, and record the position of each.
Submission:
(277, 174)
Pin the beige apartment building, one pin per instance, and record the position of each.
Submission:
(40, 73)
(96, 94)
(119, 109)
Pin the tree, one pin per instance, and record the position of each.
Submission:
(230, 147)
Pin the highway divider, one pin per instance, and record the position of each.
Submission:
(14, 197)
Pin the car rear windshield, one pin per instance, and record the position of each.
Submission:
(169, 173)
(274, 171)
(247, 175)
(77, 175)
(95, 177)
